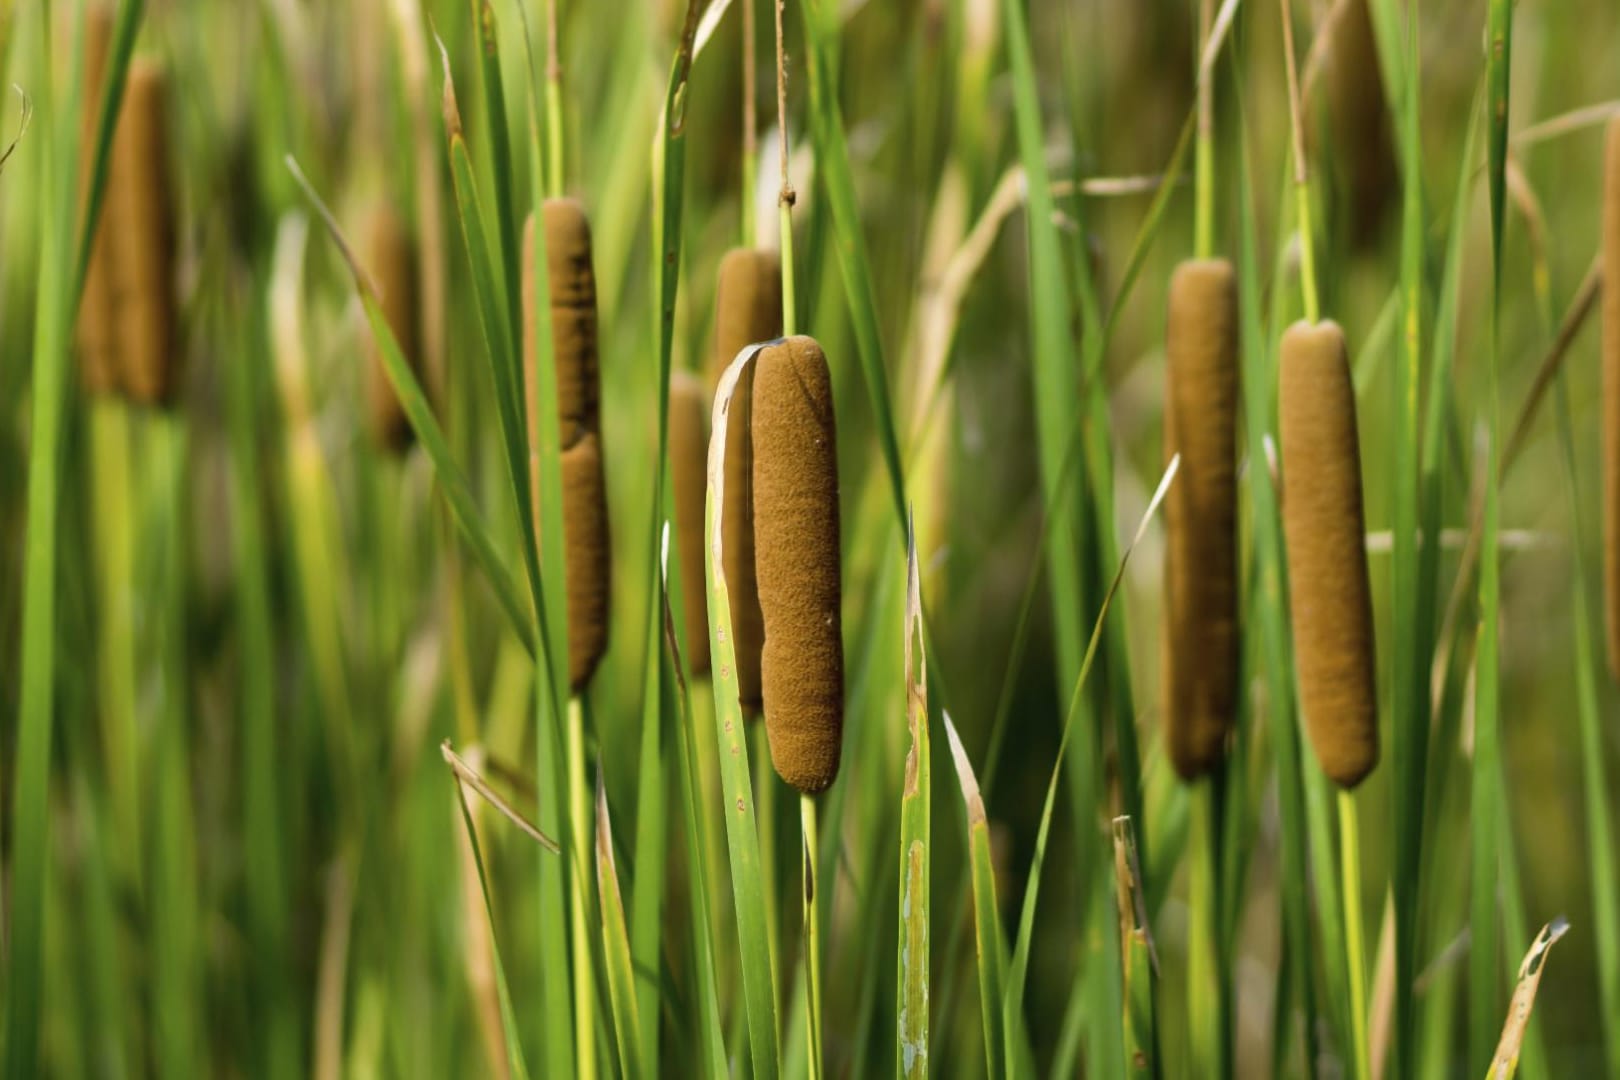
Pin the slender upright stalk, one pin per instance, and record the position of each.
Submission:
(1302, 176)
(1350, 874)
(812, 935)
(786, 198)
(1204, 152)
(554, 108)
(580, 908)
(750, 126)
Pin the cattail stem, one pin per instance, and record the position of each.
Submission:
(554, 107)
(787, 196)
(765, 806)
(812, 936)
(578, 873)
(1206, 989)
(1350, 876)
(1204, 151)
(1302, 175)
(750, 123)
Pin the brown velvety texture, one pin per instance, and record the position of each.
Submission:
(1364, 147)
(748, 309)
(391, 259)
(797, 559)
(689, 462)
(144, 251)
(97, 330)
(572, 287)
(1201, 593)
(1611, 394)
(573, 315)
(587, 557)
(1330, 601)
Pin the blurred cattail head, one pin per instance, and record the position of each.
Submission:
(391, 258)
(97, 328)
(796, 528)
(1330, 599)
(143, 239)
(572, 287)
(1201, 590)
(748, 310)
(688, 462)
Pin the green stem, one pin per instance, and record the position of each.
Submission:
(554, 109)
(579, 827)
(1350, 874)
(812, 936)
(1205, 990)
(1204, 154)
(790, 309)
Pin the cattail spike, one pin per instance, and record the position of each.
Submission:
(1201, 593)
(1611, 393)
(1330, 600)
(392, 261)
(797, 559)
(97, 329)
(144, 248)
(748, 309)
(587, 556)
(571, 285)
(573, 315)
(688, 458)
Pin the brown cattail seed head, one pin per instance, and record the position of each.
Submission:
(97, 330)
(1361, 122)
(588, 557)
(572, 287)
(391, 259)
(688, 461)
(1611, 393)
(144, 248)
(1201, 593)
(1330, 600)
(748, 309)
(797, 559)
(573, 315)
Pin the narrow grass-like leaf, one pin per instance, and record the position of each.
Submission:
(916, 842)
(616, 942)
(1505, 1061)
(989, 947)
(37, 707)
(1486, 811)
(742, 833)
(514, 1044)
(712, 1038)
(1140, 961)
(838, 183)
(506, 230)
(125, 25)
(451, 479)
(1014, 997)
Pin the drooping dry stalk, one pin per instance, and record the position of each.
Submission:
(391, 257)
(1201, 591)
(796, 527)
(97, 330)
(572, 286)
(1611, 393)
(689, 460)
(143, 250)
(748, 302)
(1330, 599)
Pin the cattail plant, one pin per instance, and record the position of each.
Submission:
(688, 458)
(143, 247)
(748, 309)
(1611, 392)
(1330, 600)
(1201, 592)
(795, 472)
(392, 261)
(97, 329)
(572, 285)
(1361, 127)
